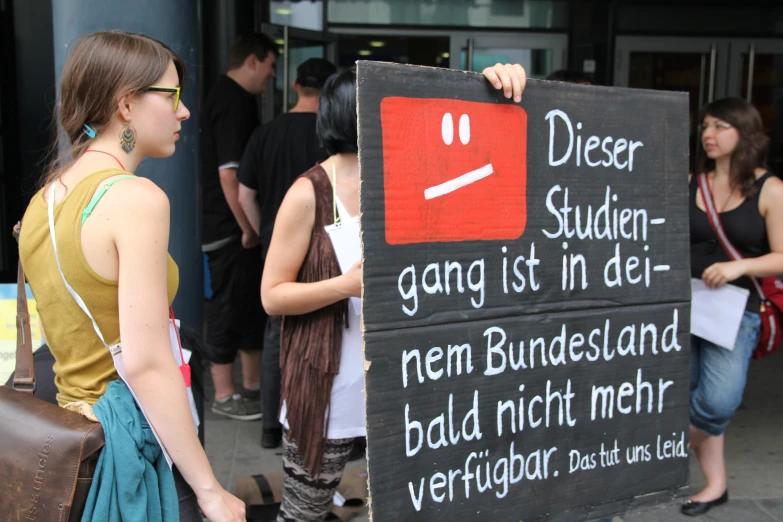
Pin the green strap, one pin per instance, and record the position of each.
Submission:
(98, 195)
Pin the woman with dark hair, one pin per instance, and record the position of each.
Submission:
(119, 102)
(321, 340)
(749, 200)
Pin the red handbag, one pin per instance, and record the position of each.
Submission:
(770, 289)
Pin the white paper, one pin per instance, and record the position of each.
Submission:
(716, 314)
(348, 249)
(338, 499)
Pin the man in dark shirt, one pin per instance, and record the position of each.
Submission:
(276, 155)
(235, 321)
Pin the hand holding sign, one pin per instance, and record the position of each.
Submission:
(354, 280)
(509, 77)
(519, 389)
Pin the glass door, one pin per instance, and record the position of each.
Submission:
(710, 69)
(756, 75)
(295, 47)
(693, 65)
(539, 54)
(396, 47)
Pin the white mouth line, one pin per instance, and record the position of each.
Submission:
(459, 182)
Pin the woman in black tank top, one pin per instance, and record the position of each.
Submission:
(750, 202)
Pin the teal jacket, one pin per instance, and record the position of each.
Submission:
(133, 481)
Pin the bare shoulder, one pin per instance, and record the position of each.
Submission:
(772, 190)
(301, 195)
(138, 197)
(135, 205)
(771, 197)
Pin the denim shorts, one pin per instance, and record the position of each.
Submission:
(718, 377)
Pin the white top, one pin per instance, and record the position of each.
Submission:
(346, 408)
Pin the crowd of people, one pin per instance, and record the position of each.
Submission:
(269, 191)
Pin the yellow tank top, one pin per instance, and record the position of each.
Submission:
(83, 366)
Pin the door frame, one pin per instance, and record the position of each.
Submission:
(286, 33)
(725, 52)
(558, 42)
(728, 77)
(457, 39)
(740, 46)
(716, 49)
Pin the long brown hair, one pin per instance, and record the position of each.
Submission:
(102, 68)
(753, 147)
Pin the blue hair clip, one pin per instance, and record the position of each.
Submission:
(89, 131)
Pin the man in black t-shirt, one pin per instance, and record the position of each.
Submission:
(276, 155)
(235, 319)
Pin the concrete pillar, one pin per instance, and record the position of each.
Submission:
(176, 23)
(28, 102)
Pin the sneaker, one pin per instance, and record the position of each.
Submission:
(239, 408)
(271, 438)
(253, 395)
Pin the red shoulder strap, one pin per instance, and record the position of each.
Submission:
(183, 367)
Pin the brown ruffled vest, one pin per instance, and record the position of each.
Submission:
(310, 344)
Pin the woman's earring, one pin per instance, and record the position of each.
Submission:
(128, 138)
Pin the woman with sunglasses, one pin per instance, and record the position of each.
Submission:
(118, 104)
(749, 200)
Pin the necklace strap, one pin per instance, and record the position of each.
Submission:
(108, 154)
(334, 191)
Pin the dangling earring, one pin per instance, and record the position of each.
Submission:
(128, 138)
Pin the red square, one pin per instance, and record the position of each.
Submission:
(453, 170)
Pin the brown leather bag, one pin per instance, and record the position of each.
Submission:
(48, 454)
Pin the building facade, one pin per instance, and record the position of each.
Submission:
(710, 50)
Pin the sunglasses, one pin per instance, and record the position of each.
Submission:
(720, 125)
(173, 90)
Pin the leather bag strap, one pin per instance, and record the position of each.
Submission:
(717, 227)
(24, 375)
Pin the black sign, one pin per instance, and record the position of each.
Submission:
(526, 297)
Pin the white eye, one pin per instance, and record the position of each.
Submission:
(447, 129)
(464, 129)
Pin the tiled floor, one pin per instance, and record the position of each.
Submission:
(234, 449)
(754, 447)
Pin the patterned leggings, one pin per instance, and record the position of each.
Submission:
(308, 499)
